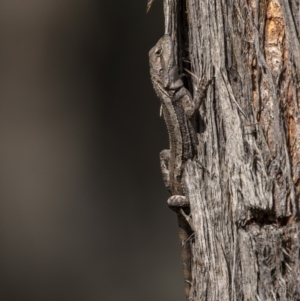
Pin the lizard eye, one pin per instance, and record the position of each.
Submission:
(161, 72)
(158, 52)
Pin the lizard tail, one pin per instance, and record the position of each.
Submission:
(185, 249)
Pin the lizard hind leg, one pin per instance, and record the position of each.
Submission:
(178, 201)
(164, 157)
(181, 205)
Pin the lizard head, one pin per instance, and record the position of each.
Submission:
(163, 66)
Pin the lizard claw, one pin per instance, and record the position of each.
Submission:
(188, 218)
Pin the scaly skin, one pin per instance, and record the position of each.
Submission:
(178, 107)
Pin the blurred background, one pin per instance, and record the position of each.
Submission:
(83, 212)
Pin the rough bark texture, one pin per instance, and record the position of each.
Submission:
(244, 203)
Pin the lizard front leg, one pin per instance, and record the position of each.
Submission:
(191, 105)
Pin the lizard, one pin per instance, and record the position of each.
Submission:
(178, 107)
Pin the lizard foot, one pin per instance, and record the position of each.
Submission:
(189, 219)
(178, 201)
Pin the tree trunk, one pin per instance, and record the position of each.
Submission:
(245, 186)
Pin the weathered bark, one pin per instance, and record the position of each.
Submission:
(244, 203)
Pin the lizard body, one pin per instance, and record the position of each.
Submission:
(178, 107)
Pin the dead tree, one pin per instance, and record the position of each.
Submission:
(244, 186)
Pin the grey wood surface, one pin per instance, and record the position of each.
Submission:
(244, 191)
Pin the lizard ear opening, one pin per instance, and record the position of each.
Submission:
(158, 51)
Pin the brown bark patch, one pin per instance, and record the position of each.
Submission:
(274, 36)
(293, 134)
